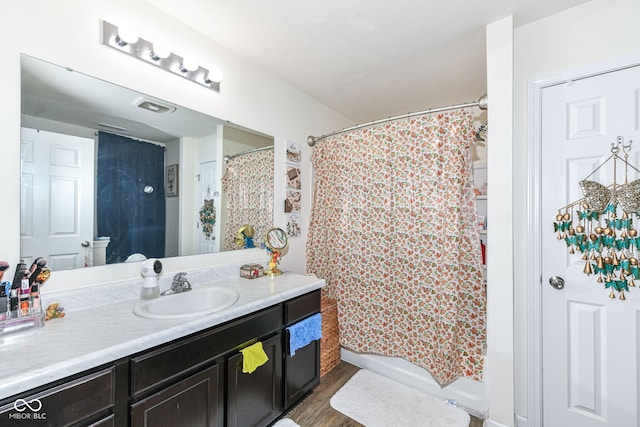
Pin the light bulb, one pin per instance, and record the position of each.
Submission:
(215, 75)
(159, 51)
(189, 64)
(126, 36)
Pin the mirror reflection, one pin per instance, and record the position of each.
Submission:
(276, 239)
(111, 175)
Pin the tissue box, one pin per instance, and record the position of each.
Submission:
(251, 271)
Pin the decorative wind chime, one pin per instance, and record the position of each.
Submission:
(605, 234)
(208, 216)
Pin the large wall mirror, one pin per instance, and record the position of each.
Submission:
(111, 175)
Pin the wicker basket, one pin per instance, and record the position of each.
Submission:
(330, 342)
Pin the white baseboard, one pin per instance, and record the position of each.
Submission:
(522, 421)
(492, 423)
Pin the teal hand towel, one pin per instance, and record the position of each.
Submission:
(253, 357)
(303, 332)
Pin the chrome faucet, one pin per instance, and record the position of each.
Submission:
(180, 283)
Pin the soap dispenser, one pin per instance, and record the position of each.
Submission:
(150, 271)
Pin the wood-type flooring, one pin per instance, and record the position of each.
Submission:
(315, 410)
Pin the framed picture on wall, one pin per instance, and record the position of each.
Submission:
(172, 180)
(294, 153)
(292, 202)
(293, 178)
(293, 224)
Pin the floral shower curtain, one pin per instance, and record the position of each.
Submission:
(393, 231)
(248, 185)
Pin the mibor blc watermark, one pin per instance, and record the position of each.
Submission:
(31, 410)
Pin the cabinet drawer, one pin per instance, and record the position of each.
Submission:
(67, 404)
(301, 307)
(171, 362)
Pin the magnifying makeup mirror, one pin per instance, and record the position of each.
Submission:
(276, 242)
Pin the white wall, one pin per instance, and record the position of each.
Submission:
(499, 364)
(67, 32)
(172, 157)
(587, 38)
(187, 191)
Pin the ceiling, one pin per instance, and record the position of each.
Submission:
(364, 59)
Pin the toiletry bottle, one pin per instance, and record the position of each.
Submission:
(149, 292)
(150, 270)
(25, 294)
(3, 303)
(35, 298)
(13, 301)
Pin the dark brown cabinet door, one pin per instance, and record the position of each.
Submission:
(302, 372)
(192, 402)
(255, 399)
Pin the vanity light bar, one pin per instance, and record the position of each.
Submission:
(169, 61)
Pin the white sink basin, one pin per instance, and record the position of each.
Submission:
(197, 302)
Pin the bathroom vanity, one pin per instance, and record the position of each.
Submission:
(105, 366)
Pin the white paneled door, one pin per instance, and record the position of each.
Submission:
(207, 191)
(590, 341)
(57, 192)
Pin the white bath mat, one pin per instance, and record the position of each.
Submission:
(376, 401)
(285, 422)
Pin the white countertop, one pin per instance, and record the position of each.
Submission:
(102, 332)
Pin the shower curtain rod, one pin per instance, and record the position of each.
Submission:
(482, 103)
(253, 150)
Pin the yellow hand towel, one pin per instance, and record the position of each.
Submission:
(253, 357)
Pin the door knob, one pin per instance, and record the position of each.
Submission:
(556, 282)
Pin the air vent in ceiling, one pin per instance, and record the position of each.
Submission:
(154, 106)
(114, 127)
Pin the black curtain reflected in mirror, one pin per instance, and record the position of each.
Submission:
(130, 206)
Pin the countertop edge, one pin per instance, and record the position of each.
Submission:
(24, 379)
